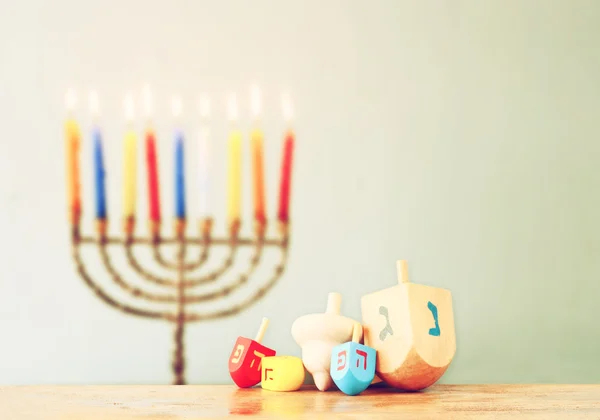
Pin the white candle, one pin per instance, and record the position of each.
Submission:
(203, 159)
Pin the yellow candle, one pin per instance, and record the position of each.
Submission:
(130, 164)
(256, 144)
(235, 175)
(235, 166)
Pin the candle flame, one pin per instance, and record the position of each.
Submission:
(286, 105)
(177, 106)
(255, 101)
(147, 101)
(232, 107)
(94, 106)
(204, 106)
(70, 100)
(129, 107)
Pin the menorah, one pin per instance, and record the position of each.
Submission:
(180, 293)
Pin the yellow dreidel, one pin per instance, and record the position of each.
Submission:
(282, 373)
(412, 328)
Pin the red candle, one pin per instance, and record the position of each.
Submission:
(286, 177)
(153, 193)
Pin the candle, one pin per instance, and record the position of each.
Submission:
(151, 164)
(256, 139)
(99, 171)
(286, 164)
(235, 165)
(179, 163)
(72, 147)
(130, 163)
(203, 161)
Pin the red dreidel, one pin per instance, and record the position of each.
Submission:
(246, 357)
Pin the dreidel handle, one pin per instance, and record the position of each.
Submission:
(334, 302)
(262, 330)
(402, 268)
(357, 332)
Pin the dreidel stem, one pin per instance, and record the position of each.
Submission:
(334, 302)
(357, 331)
(262, 330)
(402, 268)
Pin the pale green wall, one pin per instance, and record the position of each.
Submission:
(462, 136)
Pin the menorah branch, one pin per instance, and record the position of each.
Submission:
(190, 282)
(160, 259)
(165, 298)
(107, 298)
(277, 272)
(134, 263)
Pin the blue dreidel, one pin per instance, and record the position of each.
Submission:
(353, 364)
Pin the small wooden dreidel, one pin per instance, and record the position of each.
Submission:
(318, 334)
(246, 357)
(411, 327)
(282, 373)
(353, 364)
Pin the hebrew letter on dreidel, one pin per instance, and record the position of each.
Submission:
(341, 360)
(363, 354)
(238, 353)
(388, 328)
(436, 330)
(259, 357)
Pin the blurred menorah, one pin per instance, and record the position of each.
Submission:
(186, 268)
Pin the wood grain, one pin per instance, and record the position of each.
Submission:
(220, 401)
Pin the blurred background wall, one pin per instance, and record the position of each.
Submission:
(462, 136)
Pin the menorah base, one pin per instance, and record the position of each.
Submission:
(178, 358)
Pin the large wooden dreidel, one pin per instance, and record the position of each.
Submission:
(246, 357)
(353, 364)
(412, 328)
(318, 334)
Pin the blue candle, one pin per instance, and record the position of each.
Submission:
(100, 175)
(179, 176)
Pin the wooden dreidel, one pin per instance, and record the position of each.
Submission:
(318, 334)
(282, 373)
(246, 357)
(353, 364)
(411, 327)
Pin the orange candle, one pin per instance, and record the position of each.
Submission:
(256, 139)
(72, 148)
(258, 176)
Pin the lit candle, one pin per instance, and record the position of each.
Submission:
(235, 165)
(99, 171)
(152, 166)
(72, 147)
(256, 139)
(203, 161)
(179, 163)
(130, 163)
(286, 164)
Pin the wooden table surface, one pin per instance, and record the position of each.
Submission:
(220, 401)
